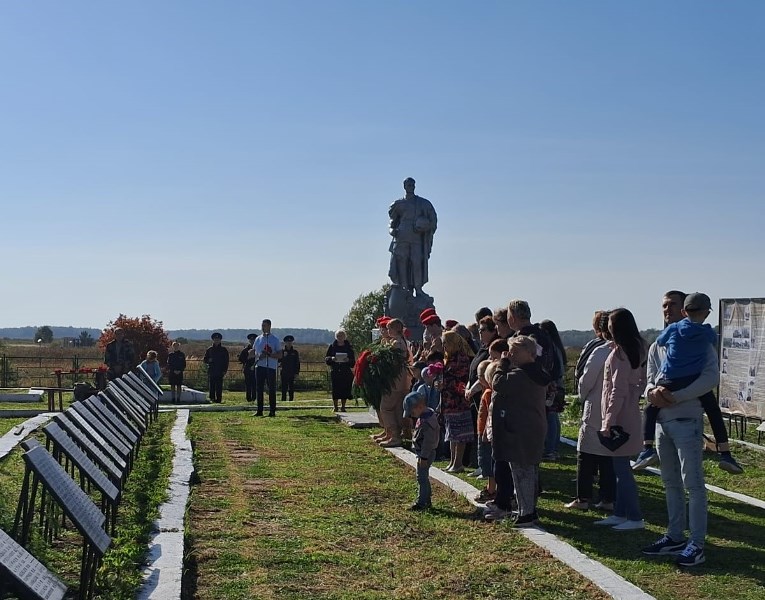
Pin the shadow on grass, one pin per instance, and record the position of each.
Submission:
(308, 419)
(475, 515)
(738, 526)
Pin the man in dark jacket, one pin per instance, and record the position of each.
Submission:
(545, 369)
(248, 367)
(290, 365)
(216, 359)
(119, 355)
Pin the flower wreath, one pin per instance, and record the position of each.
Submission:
(375, 372)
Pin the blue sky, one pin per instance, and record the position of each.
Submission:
(214, 163)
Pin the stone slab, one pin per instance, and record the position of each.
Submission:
(163, 574)
(31, 396)
(240, 407)
(188, 396)
(14, 437)
(359, 420)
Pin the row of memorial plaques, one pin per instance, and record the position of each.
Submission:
(96, 439)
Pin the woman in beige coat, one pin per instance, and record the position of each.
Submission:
(623, 382)
(592, 456)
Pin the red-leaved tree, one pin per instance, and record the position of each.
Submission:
(145, 334)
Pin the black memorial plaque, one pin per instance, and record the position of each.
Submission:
(100, 424)
(123, 404)
(136, 399)
(117, 458)
(149, 382)
(115, 472)
(112, 412)
(28, 575)
(66, 446)
(98, 409)
(150, 394)
(134, 383)
(75, 503)
(80, 413)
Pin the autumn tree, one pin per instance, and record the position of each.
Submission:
(360, 320)
(144, 333)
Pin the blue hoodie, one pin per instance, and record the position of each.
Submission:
(687, 344)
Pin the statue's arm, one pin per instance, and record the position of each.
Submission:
(395, 219)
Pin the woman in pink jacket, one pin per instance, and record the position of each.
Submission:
(623, 382)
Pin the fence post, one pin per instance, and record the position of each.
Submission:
(4, 371)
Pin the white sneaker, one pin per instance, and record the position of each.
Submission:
(629, 525)
(611, 521)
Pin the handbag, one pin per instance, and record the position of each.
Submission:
(618, 438)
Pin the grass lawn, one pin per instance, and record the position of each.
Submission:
(7, 424)
(315, 510)
(302, 507)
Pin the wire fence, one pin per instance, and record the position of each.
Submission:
(42, 371)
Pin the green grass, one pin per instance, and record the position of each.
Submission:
(302, 507)
(735, 544)
(142, 495)
(321, 497)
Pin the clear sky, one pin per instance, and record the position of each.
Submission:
(214, 163)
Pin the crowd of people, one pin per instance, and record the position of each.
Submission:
(490, 395)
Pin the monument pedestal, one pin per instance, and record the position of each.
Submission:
(403, 304)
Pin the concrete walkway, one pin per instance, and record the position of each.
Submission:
(163, 574)
(15, 436)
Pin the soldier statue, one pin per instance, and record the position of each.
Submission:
(412, 225)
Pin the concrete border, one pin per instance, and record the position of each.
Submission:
(606, 579)
(163, 575)
(15, 436)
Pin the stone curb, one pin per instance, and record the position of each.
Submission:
(163, 575)
(16, 435)
(606, 579)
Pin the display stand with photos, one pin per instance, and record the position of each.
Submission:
(742, 361)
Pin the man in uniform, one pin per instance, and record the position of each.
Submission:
(290, 364)
(216, 358)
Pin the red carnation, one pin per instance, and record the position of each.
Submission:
(360, 367)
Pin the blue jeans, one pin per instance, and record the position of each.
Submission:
(679, 444)
(423, 481)
(485, 461)
(627, 504)
(553, 433)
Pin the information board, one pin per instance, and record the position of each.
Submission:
(742, 340)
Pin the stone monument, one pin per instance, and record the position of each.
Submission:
(413, 222)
